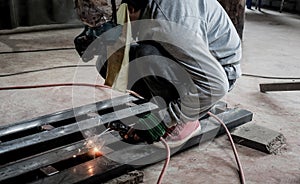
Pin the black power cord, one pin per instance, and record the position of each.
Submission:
(38, 50)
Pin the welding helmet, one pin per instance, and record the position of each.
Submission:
(98, 16)
(94, 13)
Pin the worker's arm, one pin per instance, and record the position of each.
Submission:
(198, 77)
(224, 42)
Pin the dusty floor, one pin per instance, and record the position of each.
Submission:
(271, 47)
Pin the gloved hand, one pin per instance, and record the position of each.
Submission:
(82, 41)
(149, 128)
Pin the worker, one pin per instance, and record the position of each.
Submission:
(185, 59)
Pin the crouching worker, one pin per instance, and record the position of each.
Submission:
(183, 56)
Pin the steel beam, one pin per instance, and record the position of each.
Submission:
(290, 86)
(22, 159)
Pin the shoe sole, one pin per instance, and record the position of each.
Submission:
(181, 142)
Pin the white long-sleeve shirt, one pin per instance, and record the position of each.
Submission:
(208, 19)
(202, 40)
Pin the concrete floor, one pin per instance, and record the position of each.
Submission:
(271, 47)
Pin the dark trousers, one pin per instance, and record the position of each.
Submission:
(159, 77)
(248, 3)
(258, 4)
(155, 84)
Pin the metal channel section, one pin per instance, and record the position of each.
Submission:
(289, 86)
(60, 154)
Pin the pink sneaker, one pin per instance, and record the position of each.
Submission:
(181, 134)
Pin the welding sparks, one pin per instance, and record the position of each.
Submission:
(94, 144)
(90, 143)
(96, 152)
(90, 170)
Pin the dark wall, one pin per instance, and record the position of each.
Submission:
(15, 13)
(4, 14)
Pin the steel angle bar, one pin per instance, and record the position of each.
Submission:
(64, 115)
(118, 159)
(56, 136)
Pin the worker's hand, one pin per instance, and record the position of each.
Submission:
(149, 128)
(84, 40)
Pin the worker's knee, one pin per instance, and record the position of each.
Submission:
(219, 87)
(224, 88)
